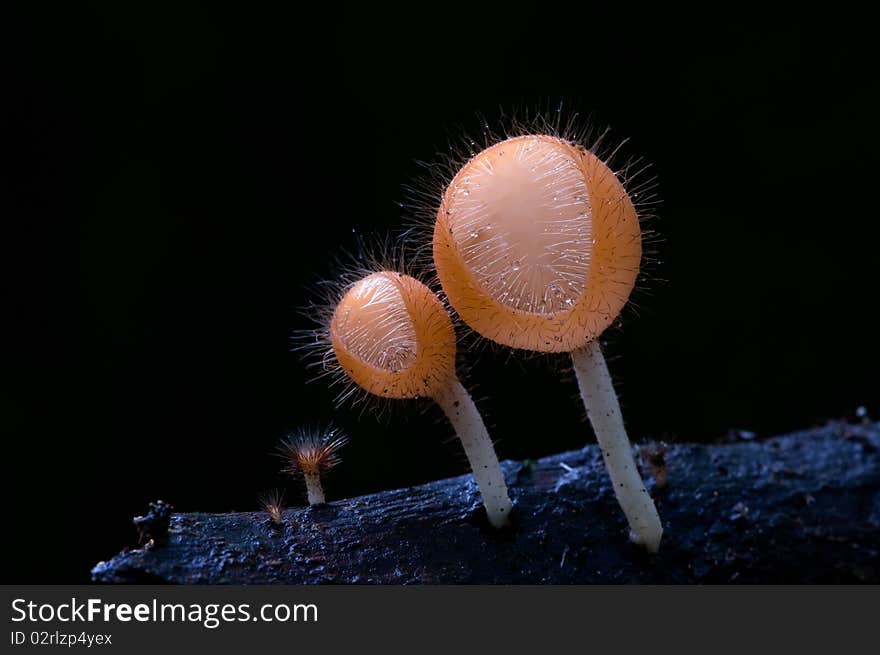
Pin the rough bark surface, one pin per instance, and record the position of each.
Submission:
(799, 508)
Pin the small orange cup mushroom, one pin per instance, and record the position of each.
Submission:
(311, 454)
(537, 246)
(393, 337)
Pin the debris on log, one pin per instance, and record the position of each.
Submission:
(799, 508)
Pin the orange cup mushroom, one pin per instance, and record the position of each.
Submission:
(393, 337)
(311, 454)
(537, 246)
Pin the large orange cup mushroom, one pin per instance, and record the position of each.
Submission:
(538, 246)
(393, 337)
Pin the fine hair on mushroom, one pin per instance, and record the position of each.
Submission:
(537, 245)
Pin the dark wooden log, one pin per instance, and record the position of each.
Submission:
(800, 508)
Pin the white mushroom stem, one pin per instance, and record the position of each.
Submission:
(468, 424)
(603, 410)
(314, 488)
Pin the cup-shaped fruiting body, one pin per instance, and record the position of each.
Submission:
(393, 337)
(537, 245)
(311, 454)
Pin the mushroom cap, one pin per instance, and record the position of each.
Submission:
(311, 452)
(393, 337)
(537, 244)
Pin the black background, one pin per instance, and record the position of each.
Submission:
(174, 179)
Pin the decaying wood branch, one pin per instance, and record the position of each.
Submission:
(798, 508)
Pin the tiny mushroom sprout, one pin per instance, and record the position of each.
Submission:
(273, 504)
(537, 246)
(393, 337)
(311, 453)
